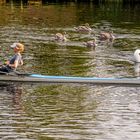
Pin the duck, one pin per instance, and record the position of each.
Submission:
(106, 36)
(91, 43)
(60, 37)
(137, 55)
(83, 28)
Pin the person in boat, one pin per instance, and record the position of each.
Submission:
(12, 64)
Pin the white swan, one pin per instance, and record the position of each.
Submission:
(60, 37)
(137, 55)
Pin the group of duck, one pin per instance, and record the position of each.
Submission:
(102, 36)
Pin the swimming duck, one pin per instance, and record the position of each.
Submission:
(60, 37)
(91, 43)
(106, 36)
(137, 55)
(83, 28)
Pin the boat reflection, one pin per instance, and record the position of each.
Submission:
(15, 91)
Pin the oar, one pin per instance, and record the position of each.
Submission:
(21, 74)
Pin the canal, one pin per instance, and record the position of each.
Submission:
(70, 111)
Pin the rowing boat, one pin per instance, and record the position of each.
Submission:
(38, 78)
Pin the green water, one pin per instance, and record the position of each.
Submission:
(70, 111)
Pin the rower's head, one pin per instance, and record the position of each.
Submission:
(18, 47)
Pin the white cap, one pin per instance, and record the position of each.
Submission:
(14, 45)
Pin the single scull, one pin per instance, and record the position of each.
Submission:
(38, 78)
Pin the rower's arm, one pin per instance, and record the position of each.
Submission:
(15, 65)
(21, 62)
(7, 62)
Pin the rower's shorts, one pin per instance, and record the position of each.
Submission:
(6, 69)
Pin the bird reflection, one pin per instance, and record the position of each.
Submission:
(137, 69)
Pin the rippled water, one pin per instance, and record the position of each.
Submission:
(70, 111)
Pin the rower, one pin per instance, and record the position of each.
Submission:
(12, 64)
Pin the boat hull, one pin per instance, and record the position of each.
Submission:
(35, 78)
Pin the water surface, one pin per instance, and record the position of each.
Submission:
(70, 111)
